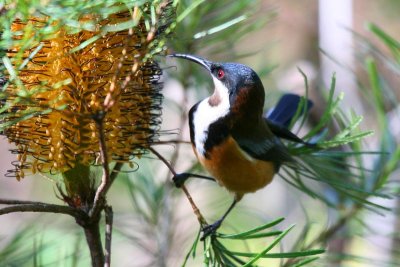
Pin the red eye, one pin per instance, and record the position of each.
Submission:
(220, 74)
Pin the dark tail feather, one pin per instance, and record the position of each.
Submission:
(286, 108)
(279, 119)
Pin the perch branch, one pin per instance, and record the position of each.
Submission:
(196, 210)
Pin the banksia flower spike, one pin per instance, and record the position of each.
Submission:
(58, 86)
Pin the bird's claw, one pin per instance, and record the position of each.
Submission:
(180, 178)
(210, 229)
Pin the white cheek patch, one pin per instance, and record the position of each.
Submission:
(207, 114)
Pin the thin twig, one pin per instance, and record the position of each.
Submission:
(196, 210)
(105, 179)
(115, 171)
(109, 181)
(109, 224)
(20, 202)
(164, 160)
(43, 207)
(165, 223)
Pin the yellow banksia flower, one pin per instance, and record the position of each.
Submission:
(69, 78)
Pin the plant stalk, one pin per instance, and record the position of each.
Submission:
(93, 239)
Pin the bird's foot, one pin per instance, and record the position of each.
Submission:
(210, 229)
(180, 178)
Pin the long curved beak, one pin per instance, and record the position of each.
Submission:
(201, 61)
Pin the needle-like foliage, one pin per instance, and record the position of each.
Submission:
(334, 160)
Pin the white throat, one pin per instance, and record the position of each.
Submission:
(206, 114)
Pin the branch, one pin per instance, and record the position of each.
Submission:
(20, 202)
(92, 232)
(114, 173)
(104, 187)
(105, 179)
(93, 238)
(28, 206)
(196, 210)
(109, 225)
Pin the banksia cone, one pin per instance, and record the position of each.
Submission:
(70, 78)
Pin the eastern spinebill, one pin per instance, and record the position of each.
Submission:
(231, 137)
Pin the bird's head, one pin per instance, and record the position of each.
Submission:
(234, 82)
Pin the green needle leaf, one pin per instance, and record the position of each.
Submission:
(265, 251)
(188, 10)
(286, 255)
(305, 261)
(220, 27)
(244, 235)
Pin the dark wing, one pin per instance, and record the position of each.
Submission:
(282, 132)
(261, 144)
(286, 108)
(262, 141)
(281, 116)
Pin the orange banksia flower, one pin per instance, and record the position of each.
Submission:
(70, 78)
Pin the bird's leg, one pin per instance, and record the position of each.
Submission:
(180, 178)
(212, 228)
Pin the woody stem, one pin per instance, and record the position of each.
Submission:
(196, 210)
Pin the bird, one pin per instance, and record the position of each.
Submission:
(231, 137)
